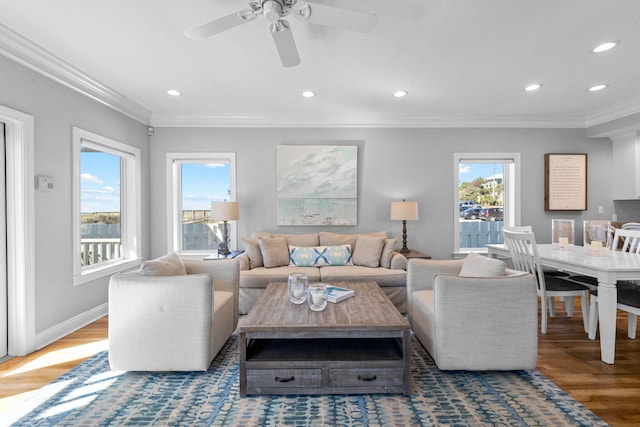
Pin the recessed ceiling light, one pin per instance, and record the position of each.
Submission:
(173, 92)
(603, 47)
(596, 88)
(308, 94)
(400, 93)
(533, 87)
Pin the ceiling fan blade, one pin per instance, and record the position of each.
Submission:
(337, 17)
(221, 24)
(286, 45)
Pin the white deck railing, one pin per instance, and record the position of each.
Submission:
(93, 251)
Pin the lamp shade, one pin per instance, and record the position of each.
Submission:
(404, 211)
(225, 211)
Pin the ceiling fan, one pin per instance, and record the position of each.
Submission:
(275, 10)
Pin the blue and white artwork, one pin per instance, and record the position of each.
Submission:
(317, 184)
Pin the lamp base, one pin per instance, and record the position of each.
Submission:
(404, 250)
(223, 249)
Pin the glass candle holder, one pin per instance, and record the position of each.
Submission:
(597, 236)
(317, 296)
(297, 287)
(562, 232)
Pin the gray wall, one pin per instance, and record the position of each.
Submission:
(56, 109)
(393, 164)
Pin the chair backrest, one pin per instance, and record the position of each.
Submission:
(630, 240)
(524, 253)
(518, 228)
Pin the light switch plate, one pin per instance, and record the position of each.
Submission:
(45, 183)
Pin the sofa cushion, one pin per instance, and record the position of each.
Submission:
(252, 249)
(387, 252)
(260, 277)
(368, 250)
(318, 256)
(349, 273)
(302, 239)
(275, 251)
(166, 265)
(476, 265)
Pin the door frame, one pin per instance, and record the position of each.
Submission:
(20, 201)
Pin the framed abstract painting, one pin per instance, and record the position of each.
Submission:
(317, 184)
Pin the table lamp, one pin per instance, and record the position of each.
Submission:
(404, 211)
(225, 211)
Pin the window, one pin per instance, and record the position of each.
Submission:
(196, 180)
(106, 206)
(486, 194)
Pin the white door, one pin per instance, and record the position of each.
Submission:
(4, 320)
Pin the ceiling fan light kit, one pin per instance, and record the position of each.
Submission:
(275, 10)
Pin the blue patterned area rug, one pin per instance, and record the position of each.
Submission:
(92, 395)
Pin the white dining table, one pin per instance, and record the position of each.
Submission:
(608, 268)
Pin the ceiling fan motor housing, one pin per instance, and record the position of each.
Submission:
(273, 9)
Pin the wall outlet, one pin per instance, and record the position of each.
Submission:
(600, 209)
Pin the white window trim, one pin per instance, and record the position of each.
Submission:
(174, 214)
(512, 197)
(130, 210)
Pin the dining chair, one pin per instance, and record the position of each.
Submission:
(546, 271)
(628, 293)
(524, 255)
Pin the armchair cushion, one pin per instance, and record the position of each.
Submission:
(166, 265)
(476, 265)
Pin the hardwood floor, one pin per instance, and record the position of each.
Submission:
(565, 356)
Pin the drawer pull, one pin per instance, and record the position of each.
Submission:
(367, 377)
(285, 379)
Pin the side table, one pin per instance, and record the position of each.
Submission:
(215, 255)
(413, 254)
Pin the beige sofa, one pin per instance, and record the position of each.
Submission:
(173, 318)
(267, 259)
(473, 323)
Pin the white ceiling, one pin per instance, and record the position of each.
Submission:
(463, 62)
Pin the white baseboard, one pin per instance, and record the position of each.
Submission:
(63, 329)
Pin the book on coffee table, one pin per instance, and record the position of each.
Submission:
(337, 294)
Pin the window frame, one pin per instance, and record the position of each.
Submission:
(174, 189)
(130, 206)
(512, 190)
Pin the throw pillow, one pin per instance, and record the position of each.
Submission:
(252, 249)
(275, 251)
(387, 252)
(318, 256)
(368, 250)
(476, 265)
(166, 265)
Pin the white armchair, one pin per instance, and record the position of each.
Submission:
(172, 323)
(473, 323)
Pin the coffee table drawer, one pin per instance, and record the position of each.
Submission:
(284, 378)
(367, 377)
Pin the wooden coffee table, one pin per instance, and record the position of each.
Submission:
(357, 346)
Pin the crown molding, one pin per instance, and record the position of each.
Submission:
(614, 112)
(365, 120)
(23, 51)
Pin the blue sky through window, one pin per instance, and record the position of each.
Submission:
(470, 171)
(100, 183)
(204, 183)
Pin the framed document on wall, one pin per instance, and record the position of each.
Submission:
(565, 182)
